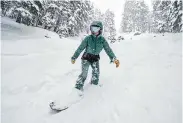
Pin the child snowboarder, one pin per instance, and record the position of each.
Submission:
(93, 45)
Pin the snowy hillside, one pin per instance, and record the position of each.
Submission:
(146, 88)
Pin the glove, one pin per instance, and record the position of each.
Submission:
(73, 60)
(116, 62)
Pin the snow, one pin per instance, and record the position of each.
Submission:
(24, 12)
(13, 31)
(10, 11)
(146, 88)
(34, 5)
(53, 6)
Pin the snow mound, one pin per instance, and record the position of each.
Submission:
(10, 30)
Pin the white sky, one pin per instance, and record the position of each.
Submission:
(116, 6)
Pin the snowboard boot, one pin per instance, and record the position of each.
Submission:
(94, 83)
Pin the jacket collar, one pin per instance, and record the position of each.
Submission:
(94, 36)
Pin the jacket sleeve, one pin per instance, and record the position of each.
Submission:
(108, 50)
(81, 47)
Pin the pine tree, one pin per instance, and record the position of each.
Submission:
(167, 16)
(51, 15)
(161, 16)
(109, 23)
(127, 20)
(135, 17)
(175, 16)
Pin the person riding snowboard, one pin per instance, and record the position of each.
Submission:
(93, 45)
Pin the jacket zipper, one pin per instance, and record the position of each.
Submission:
(95, 45)
(95, 41)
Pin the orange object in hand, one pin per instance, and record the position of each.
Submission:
(116, 62)
(72, 61)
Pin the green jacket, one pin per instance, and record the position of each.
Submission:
(94, 45)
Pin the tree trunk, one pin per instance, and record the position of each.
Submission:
(18, 19)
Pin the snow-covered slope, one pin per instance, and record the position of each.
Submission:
(146, 88)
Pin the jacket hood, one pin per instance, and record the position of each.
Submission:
(97, 23)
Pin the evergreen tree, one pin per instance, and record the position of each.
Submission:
(109, 23)
(135, 17)
(161, 16)
(167, 16)
(175, 16)
(50, 16)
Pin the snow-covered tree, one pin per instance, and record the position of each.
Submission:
(6, 6)
(98, 15)
(109, 23)
(175, 16)
(78, 16)
(160, 15)
(89, 11)
(23, 11)
(135, 17)
(128, 16)
(51, 15)
(23, 16)
(167, 16)
(67, 18)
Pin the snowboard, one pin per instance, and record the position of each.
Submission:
(52, 104)
(57, 110)
(63, 108)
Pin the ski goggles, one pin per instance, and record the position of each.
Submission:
(95, 29)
